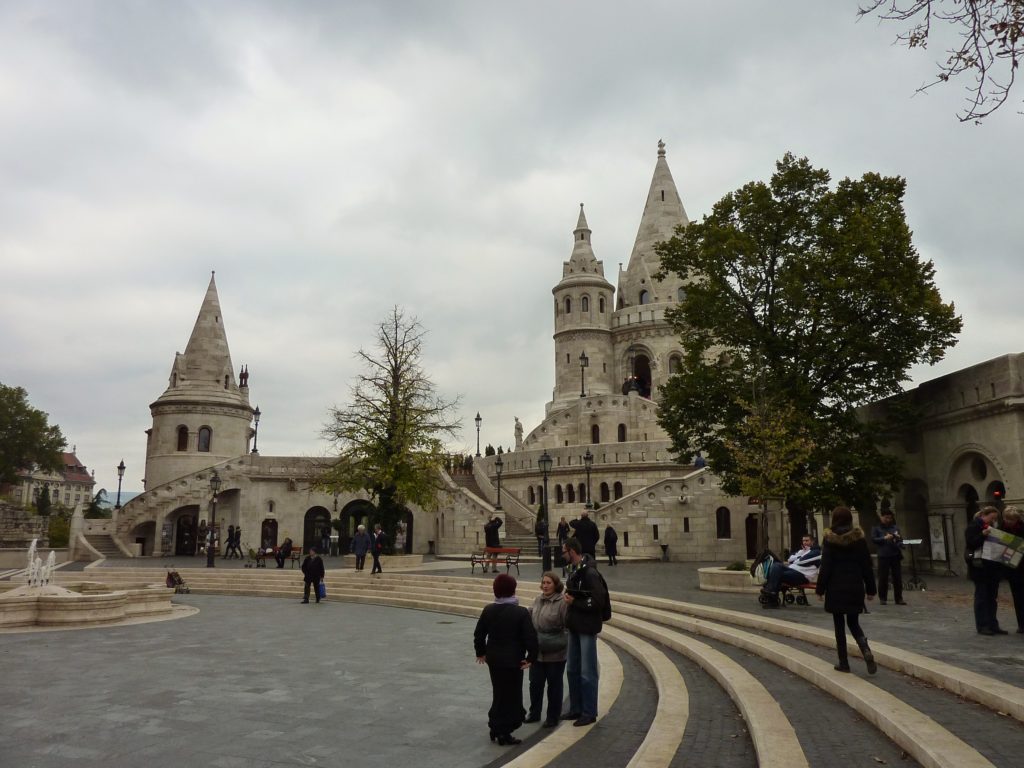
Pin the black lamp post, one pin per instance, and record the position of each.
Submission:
(498, 466)
(544, 462)
(588, 462)
(634, 386)
(256, 430)
(120, 477)
(584, 362)
(215, 487)
(478, 420)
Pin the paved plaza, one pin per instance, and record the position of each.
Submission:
(252, 681)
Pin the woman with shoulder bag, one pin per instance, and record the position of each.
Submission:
(548, 613)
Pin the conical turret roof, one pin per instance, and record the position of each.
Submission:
(582, 264)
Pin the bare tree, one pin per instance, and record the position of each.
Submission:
(991, 36)
(390, 437)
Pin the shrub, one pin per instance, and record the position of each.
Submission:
(739, 565)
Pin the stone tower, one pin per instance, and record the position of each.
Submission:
(583, 310)
(203, 417)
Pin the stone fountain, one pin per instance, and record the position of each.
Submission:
(40, 602)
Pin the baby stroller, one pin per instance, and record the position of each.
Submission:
(175, 581)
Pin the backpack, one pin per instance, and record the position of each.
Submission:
(606, 611)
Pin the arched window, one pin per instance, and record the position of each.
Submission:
(674, 362)
(583, 493)
(622, 433)
(618, 490)
(600, 304)
(595, 434)
(531, 496)
(205, 436)
(182, 438)
(605, 493)
(559, 498)
(645, 297)
(568, 305)
(680, 294)
(585, 304)
(723, 523)
(570, 493)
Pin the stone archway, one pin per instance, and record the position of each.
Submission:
(354, 513)
(315, 525)
(184, 530)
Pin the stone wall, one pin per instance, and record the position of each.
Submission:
(19, 526)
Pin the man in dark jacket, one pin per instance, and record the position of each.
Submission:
(492, 539)
(587, 599)
(379, 541)
(312, 574)
(586, 533)
(889, 540)
(360, 546)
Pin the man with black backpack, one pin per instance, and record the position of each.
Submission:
(586, 595)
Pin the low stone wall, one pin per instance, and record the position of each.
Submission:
(18, 558)
(19, 526)
(721, 580)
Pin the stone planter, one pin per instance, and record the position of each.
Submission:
(720, 580)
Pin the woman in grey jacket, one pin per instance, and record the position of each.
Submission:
(548, 613)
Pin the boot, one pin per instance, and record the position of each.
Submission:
(869, 658)
(843, 665)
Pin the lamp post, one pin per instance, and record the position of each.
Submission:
(544, 462)
(633, 385)
(584, 362)
(256, 430)
(215, 487)
(588, 462)
(120, 477)
(478, 420)
(498, 466)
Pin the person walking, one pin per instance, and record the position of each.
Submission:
(587, 599)
(586, 533)
(611, 545)
(889, 540)
(1013, 523)
(548, 612)
(506, 641)
(492, 538)
(229, 543)
(845, 579)
(540, 530)
(984, 573)
(312, 574)
(562, 532)
(380, 541)
(238, 542)
(360, 545)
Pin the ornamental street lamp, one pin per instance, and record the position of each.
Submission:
(498, 466)
(588, 462)
(634, 386)
(478, 420)
(584, 362)
(120, 477)
(544, 462)
(215, 487)
(256, 430)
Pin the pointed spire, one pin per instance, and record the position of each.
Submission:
(581, 223)
(207, 357)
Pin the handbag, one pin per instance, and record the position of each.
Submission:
(321, 589)
(552, 641)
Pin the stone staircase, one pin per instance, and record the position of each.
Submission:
(917, 709)
(104, 544)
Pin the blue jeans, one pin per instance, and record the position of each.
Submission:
(581, 669)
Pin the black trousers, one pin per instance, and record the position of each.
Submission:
(376, 563)
(506, 712)
(840, 621)
(316, 590)
(552, 675)
(890, 566)
(360, 561)
(986, 595)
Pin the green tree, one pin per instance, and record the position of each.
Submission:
(42, 502)
(97, 508)
(991, 43)
(27, 439)
(810, 302)
(390, 437)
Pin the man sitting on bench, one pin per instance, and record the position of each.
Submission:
(801, 568)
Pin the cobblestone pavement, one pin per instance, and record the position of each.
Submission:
(264, 682)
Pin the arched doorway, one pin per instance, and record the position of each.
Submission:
(355, 513)
(968, 496)
(642, 372)
(750, 528)
(316, 525)
(186, 534)
(268, 533)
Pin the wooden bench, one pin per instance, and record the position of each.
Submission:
(492, 556)
(258, 559)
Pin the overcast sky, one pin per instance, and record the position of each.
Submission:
(332, 160)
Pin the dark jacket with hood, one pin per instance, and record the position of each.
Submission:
(846, 575)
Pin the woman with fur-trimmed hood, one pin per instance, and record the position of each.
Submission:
(845, 579)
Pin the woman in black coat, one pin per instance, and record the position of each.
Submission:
(506, 641)
(845, 579)
(984, 573)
